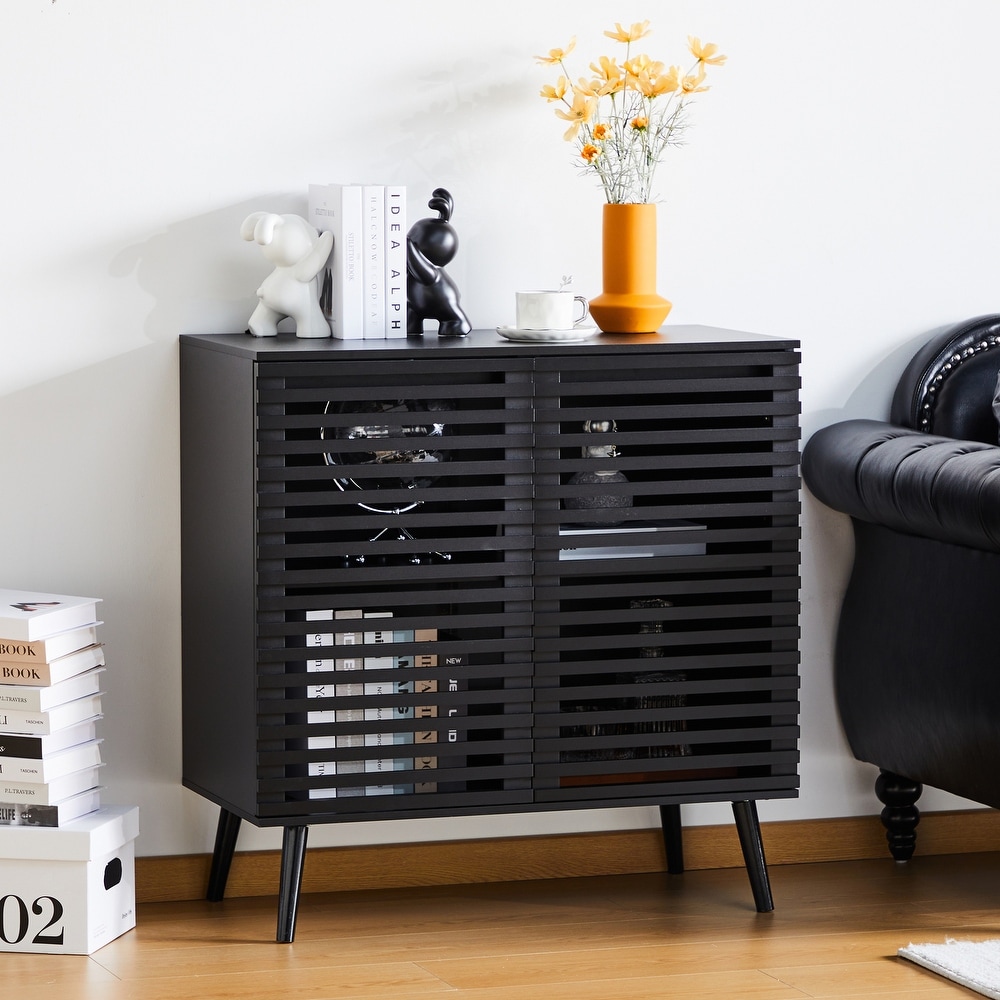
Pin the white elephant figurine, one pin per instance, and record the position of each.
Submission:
(299, 254)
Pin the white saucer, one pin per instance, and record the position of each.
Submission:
(575, 333)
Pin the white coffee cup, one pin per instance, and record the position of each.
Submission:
(550, 310)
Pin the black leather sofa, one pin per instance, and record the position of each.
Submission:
(917, 660)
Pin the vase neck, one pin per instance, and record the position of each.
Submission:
(629, 247)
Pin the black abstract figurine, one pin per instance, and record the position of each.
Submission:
(430, 293)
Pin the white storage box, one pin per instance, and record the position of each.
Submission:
(71, 889)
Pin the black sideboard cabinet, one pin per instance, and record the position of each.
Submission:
(461, 577)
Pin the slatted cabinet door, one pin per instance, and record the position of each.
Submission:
(395, 509)
(666, 577)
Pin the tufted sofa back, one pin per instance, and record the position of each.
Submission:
(949, 385)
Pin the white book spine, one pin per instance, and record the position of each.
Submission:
(395, 261)
(53, 720)
(336, 208)
(394, 683)
(373, 268)
(48, 792)
(53, 815)
(343, 661)
(49, 768)
(29, 615)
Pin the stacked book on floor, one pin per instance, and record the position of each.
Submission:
(51, 663)
(363, 292)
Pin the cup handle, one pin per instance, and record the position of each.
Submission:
(586, 309)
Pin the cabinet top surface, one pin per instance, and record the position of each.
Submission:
(488, 343)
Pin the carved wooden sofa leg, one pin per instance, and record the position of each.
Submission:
(900, 815)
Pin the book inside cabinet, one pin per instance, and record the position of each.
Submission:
(465, 577)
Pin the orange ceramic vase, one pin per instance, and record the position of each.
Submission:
(629, 303)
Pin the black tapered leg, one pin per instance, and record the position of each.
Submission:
(748, 827)
(673, 838)
(900, 815)
(293, 856)
(222, 857)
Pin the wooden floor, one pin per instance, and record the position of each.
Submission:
(834, 934)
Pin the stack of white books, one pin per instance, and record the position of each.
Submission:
(363, 293)
(51, 663)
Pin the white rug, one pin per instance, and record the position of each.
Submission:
(975, 964)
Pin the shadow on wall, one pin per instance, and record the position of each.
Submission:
(829, 543)
(202, 276)
(827, 559)
(873, 396)
(95, 510)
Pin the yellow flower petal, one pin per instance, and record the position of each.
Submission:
(638, 30)
(655, 85)
(556, 93)
(606, 68)
(693, 84)
(708, 53)
(608, 77)
(580, 112)
(641, 63)
(556, 56)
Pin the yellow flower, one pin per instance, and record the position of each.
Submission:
(642, 63)
(600, 87)
(693, 84)
(639, 123)
(556, 56)
(581, 111)
(638, 30)
(705, 53)
(590, 152)
(651, 84)
(600, 132)
(556, 93)
(607, 77)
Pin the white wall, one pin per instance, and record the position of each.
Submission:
(839, 186)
